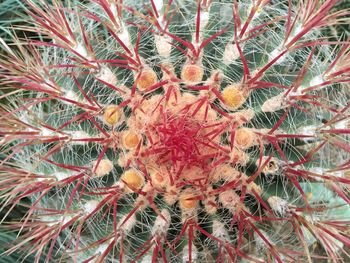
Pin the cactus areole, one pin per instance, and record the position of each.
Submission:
(177, 131)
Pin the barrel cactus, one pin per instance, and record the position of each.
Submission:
(177, 131)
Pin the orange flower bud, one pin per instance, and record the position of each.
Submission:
(233, 97)
(146, 79)
(130, 139)
(192, 73)
(133, 180)
(112, 115)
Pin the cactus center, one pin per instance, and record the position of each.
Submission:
(180, 137)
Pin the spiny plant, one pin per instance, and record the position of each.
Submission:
(177, 131)
(339, 31)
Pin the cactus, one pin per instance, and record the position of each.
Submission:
(177, 131)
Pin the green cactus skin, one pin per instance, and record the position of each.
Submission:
(177, 131)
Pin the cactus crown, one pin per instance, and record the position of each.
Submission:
(178, 131)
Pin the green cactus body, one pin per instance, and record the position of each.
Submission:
(178, 131)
